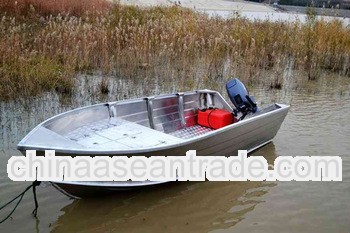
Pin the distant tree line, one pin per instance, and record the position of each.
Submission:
(314, 3)
(343, 4)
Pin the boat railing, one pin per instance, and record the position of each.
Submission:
(149, 102)
(181, 108)
(169, 112)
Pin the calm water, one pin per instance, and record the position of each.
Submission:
(275, 16)
(318, 124)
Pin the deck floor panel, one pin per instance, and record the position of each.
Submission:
(116, 133)
(191, 132)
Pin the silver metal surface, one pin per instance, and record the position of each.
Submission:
(119, 133)
(181, 109)
(191, 132)
(95, 130)
(80, 189)
(149, 102)
(125, 128)
(210, 103)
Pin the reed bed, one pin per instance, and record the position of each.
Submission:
(43, 46)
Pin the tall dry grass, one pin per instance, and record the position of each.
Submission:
(20, 8)
(45, 52)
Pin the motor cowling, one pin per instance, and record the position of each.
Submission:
(240, 98)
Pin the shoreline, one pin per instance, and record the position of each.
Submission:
(207, 5)
(250, 10)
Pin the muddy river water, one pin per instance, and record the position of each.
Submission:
(318, 123)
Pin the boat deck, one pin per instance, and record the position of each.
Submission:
(116, 133)
(191, 132)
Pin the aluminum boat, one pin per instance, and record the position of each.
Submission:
(155, 126)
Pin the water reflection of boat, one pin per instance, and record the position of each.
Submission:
(78, 189)
(172, 207)
(156, 126)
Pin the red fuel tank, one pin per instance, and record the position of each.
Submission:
(215, 118)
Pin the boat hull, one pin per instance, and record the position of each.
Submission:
(250, 136)
(78, 190)
(245, 135)
(167, 120)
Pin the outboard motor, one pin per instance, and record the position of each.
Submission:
(239, 96)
